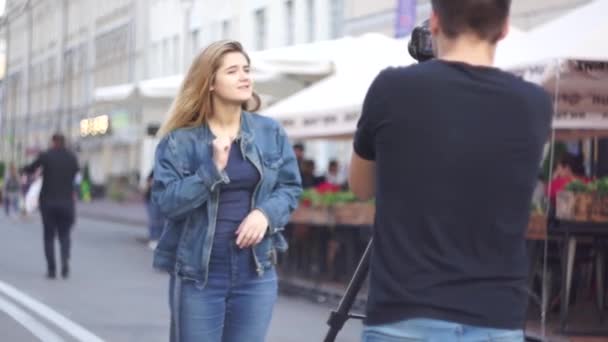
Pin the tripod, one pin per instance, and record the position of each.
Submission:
(338, 317)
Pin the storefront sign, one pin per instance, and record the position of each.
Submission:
(406, 17)
(99, 125)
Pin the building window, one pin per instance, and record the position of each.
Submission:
(310, 12)
(195, 42)
(166, 57)
(289, 22)
(336, 17)
(153, 58)
(260, 29)
(226, 29)
(175, 54)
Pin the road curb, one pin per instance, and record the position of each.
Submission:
(114, 219)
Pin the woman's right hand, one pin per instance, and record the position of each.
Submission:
(221, 151)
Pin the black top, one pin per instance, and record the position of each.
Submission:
(59, 168)
(235, 197)
(233, 207)
(457, 151)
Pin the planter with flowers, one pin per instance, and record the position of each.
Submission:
(599, 206)
(583, 202)
(327, 205)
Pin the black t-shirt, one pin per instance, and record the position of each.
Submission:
(59, 168)
(457, 151)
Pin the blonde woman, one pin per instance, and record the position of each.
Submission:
(227, 180)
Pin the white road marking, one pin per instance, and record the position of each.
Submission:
(73, 329)
(30, 323)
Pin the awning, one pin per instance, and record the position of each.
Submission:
(331, 107)
(579, 35)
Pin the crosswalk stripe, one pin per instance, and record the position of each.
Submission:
(44, 311)
(27, 321)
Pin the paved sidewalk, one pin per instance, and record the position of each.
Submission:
(132, 213)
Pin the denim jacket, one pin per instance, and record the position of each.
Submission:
(186, 189)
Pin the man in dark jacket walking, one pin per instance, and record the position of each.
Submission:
(59, 168)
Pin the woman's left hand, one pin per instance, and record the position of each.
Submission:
(252, 229)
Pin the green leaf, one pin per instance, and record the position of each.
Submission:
(602, 186)
(578, 186)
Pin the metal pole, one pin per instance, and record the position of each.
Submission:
(69, 74)
(61, 56)
(28, 76)
(187, 7)
(132, 41)
(5, 87)
(14, 94)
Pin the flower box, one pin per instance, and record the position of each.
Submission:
(356, 213)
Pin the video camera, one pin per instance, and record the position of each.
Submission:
(420, 46)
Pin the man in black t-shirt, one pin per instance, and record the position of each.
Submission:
(57, 201)
(451, 149)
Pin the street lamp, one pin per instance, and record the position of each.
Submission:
(186, 49)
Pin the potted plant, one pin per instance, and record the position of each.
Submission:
(311, 209)
(349, 211)
(329, 206)
(580, 201)
(599, 210)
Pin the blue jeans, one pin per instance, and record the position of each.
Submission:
(11, 202)
(235, 305)
(429, 330)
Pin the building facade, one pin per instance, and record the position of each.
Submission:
(180, 29)
(60, 53)
(379, 15)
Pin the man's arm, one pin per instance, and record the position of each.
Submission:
(362, 177)
(362, 170)
(31, 168)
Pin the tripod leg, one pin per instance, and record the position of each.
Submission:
(338, 317)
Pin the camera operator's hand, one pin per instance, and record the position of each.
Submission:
(252, 229)
(221, 151)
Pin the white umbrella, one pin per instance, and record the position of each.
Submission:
(580, 34)
(569, 58)
(332, 106)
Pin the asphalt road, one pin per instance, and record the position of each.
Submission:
(113, 294)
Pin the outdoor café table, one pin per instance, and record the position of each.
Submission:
(571, 233)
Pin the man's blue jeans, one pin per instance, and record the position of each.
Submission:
(429, 330)
(235, 306)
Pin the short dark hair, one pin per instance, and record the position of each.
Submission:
(485, 18)
(298, 146)
(58, 139)
(573, 162)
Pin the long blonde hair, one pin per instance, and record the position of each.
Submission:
(193, 104)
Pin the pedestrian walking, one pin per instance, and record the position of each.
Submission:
(227, 180)
(57, 205)
(11, 192)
